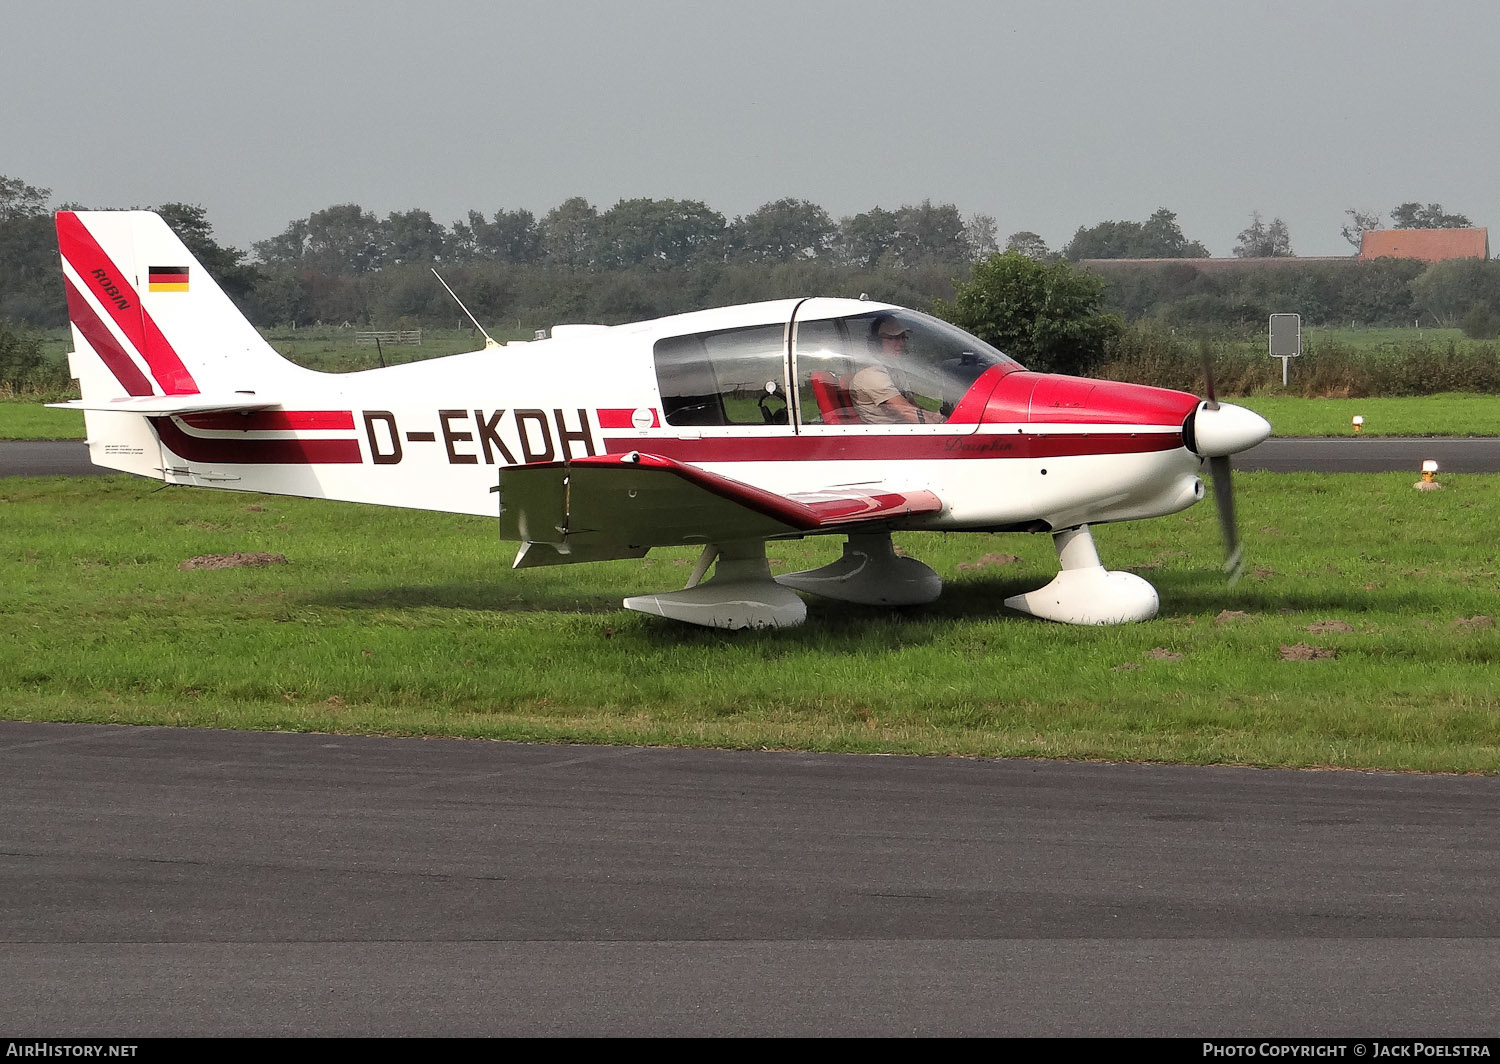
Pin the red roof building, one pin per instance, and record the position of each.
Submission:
(1428, 245)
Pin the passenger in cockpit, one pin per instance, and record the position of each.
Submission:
(881, 392)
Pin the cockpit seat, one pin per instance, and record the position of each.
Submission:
(832, 394)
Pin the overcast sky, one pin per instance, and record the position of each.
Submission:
(1046, 114)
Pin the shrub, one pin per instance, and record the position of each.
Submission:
(1148, 353)
(23, 367)
(1481, 323)
(1047, 315)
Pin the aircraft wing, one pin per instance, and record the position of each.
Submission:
(159, 405)
(619, 506)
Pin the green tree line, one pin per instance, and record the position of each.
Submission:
(639, 258)
(648, 257)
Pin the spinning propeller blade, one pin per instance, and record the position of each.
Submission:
(1219, 470)
(1234, 555)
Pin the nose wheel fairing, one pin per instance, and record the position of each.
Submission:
(1084, 592)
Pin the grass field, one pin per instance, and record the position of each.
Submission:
(335, 350)
(1362, 636)
(29, 419)
(1451, 414)
(1367, 337)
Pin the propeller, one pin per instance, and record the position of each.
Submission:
(1219, 471)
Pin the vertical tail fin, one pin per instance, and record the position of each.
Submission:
(148, 320)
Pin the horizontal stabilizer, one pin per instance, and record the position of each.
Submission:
(174, 405)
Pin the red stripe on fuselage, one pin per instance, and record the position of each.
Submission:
(255, 452)
(104, 343)
(624, 418)
(896, 448)
(89, 261)
(271, 421)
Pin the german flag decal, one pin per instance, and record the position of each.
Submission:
(168, 279)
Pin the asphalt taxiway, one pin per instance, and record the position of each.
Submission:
(166, 882)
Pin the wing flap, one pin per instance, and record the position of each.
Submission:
(613, 505)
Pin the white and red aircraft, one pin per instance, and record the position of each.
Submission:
(721, 428)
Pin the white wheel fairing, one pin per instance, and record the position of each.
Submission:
(870, 573)
(1090, 596)
(1084, 592)
(740, 595)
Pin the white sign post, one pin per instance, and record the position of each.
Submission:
(1286, 340)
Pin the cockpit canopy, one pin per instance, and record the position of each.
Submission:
(740, 376)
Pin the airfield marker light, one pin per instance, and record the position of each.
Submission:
(1429, 471)
(1359, 423)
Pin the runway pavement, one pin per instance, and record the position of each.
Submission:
(189, 882)
(1372, 454)
(47, 458)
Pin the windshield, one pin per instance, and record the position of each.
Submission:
(887, 367)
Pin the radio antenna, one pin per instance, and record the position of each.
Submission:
(488, 340)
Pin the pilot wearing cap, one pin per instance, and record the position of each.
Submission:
(880, 392)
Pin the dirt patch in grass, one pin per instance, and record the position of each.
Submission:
(1303, 652)
(1320, 627)
(988, 560)
(1482, 620)
(237, 560)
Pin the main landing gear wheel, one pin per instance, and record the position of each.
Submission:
(743, 594)
(740, 595)
(870, 573)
